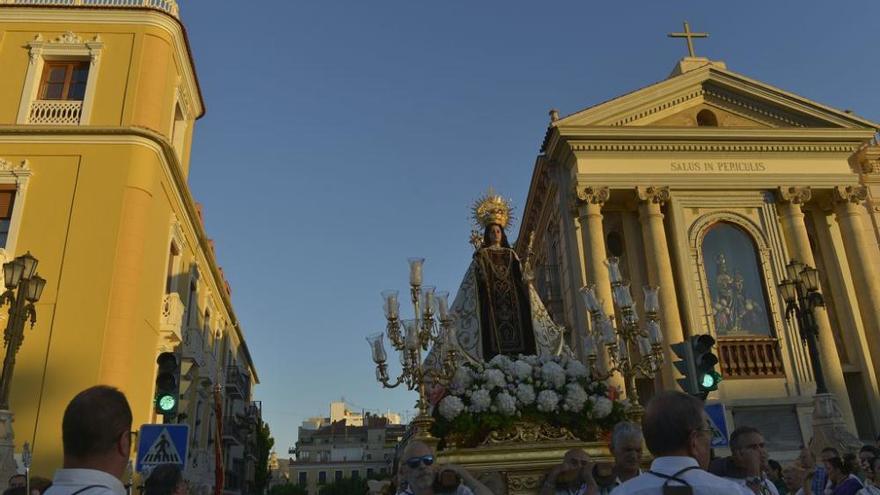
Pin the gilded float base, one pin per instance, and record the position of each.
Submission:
(515, 462)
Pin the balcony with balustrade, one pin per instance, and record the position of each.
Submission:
(170, 7)
(750, 357)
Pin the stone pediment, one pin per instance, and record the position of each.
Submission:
(732, 100)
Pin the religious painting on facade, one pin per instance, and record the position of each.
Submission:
(737, 294)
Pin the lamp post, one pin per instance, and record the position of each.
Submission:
(23, 289)
(621, 341)
(800, 290)
(419, 334)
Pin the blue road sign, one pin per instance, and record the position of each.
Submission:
(161, 444)
(719, 424)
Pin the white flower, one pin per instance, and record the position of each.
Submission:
(531, 360)
(601, 406)
(494, 378)
(553, 374)
(450, 407)
(575, 397)
(480, 401)
(461, 381)
(522, 369)
(575, 369)
(525, 393)
(505, 404)
(501, 362)
(547, 401)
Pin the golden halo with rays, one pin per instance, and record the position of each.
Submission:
(492, 208)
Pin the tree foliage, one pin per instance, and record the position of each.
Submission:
(345, 486)
(288, 489)
(265, 442)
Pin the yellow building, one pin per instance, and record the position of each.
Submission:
(98, 101)
(707, 184)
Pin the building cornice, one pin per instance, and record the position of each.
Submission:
(15, 134)
(115, 15)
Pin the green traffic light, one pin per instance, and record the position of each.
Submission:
(708, 381)
(166, 402)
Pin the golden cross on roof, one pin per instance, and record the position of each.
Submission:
(689, 35)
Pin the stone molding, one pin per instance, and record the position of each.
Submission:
(794, 194)
(850, 194)
(653, 194)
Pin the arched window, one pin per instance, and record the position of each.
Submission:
(736, 289)
(705, 118)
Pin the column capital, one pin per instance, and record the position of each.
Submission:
(850, 194)
(796, 195)
(653, 194)
(596, 195)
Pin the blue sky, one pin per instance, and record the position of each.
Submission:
(342, 137)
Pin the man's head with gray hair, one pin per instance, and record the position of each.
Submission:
(626, 447)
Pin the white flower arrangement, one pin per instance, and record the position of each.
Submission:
(558, 390)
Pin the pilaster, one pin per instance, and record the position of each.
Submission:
(589, 201)
(862, 253)
(791, 200)
(659, 265)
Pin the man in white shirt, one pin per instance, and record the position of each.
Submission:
(626, 447)
(422, 475)
(96, 433)
(677, 432)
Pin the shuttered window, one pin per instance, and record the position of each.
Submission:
(7, 198)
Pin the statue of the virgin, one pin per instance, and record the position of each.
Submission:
(498, 309)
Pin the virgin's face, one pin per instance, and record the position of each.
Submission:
(495, 235)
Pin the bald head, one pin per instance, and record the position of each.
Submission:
(416, 449)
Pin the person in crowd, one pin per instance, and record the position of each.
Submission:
(748, 461)
(96, 439)
(820, 484)
(678, 435)
(774, 474)
(423, 477)
(39, 485)
(841, 475)
(573, 476)
(867, 454)
(15, 490)
(794, 476)
(626, 447)
(17, 480)
(872, 478)
(165, 479)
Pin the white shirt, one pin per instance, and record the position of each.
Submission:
(702, 482)
(69, 481)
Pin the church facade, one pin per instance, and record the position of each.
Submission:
(707, 184)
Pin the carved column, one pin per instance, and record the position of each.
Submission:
(862, 254)
(791, 199)
(589, 201)
(659, 266)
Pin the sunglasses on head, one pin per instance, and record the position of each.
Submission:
(414, 462)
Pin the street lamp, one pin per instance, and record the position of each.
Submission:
(629, 335)
(23, 289)
(800, 290)
(419, 334)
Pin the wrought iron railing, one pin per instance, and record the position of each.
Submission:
(750, 357)
(167, 6)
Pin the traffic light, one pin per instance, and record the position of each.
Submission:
(697, 365)
(167, 385)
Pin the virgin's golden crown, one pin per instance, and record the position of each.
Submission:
(492, 208)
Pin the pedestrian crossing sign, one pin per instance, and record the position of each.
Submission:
(161, 444)
(718, 421)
